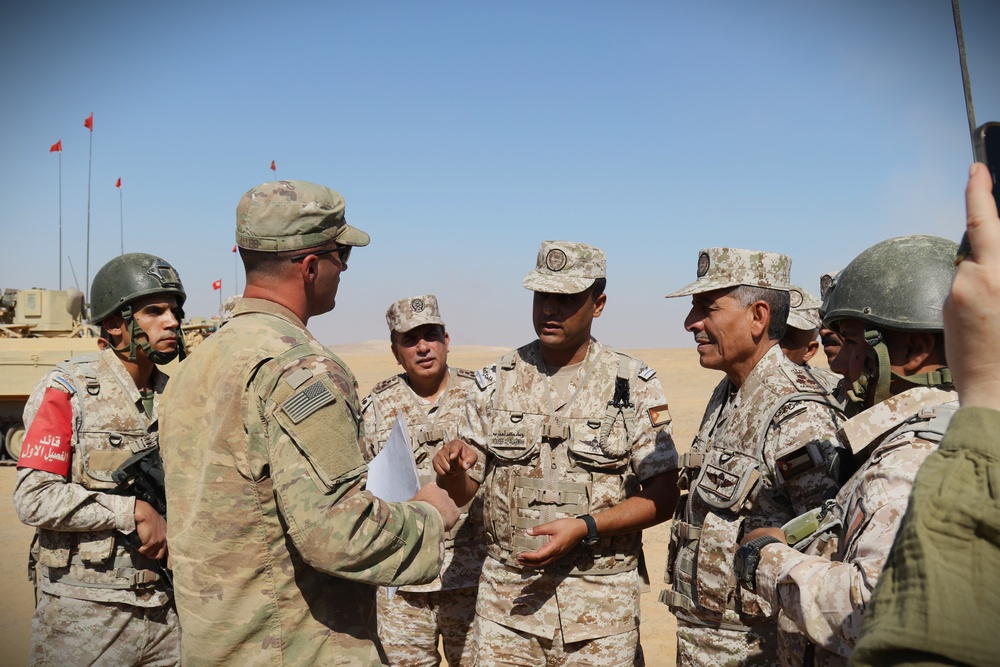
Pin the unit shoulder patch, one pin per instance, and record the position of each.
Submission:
(659, 415)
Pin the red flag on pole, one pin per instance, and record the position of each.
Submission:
(119, 183)
(217, 284)
(234, 248)
(89, 122)
(56, 147)
(273, 168)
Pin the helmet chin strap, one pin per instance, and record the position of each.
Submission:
(874, 382)
(138, 339)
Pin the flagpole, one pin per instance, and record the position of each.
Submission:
(121, 214)
(236, 274)
(90, 155)
(60, 217)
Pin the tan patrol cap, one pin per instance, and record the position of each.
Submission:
(805, 315)
(292, 215)
(409, 313)
(565, 267)
(728, 267)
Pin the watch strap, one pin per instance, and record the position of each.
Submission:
(592, 536)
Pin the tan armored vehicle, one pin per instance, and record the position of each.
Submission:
(38, 329)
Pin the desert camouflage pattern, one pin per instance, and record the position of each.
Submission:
(66, 631)
(566, 267)
(536, 440)
(937, 601)
(728, 267)
(825, 595)
(292, 215)
(803, 312)
(500, 645)
(416, 620)
(764, 454)
(275, 543)
(430, 425)
(414, 311)
(81, 525)
(829, 380)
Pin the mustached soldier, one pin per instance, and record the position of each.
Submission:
(579, 459)
(99, 598)
(766, 452)
(433, 398)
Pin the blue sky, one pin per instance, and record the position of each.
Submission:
(464, 134)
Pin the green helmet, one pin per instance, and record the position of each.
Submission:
(127, 278)
(899, 284)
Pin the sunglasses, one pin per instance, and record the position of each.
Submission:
(343, 251)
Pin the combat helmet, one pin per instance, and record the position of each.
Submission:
(127, 278)
(899, 284)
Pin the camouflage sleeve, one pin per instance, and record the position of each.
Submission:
(802, 454)
(826, 599)
(653, 450)
(319, 479)
(48, 500)
(369, 416)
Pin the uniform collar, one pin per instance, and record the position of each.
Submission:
(246, 306)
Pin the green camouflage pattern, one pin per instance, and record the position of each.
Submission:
(274, 541)
(824, 592)
(566, 267)
(719, 268)
(414, 311)
(292, 215)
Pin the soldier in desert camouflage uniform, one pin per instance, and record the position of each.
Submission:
(886, 306)
(766, 452)
(579, 459)
(275, 542)
(433, 399)
(102, 596)
(800, 342)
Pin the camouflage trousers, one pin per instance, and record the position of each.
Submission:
(502, 646)
(409, 625)
(65, 631)
(710, 647)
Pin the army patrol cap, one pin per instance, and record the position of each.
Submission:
(565, 267)
(804, 316)
(719, 268)
(412, 312)
(292, 215)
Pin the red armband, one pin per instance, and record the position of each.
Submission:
(48, 443)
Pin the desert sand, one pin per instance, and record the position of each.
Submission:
(687, 386)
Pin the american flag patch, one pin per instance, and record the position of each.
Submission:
(303, 403)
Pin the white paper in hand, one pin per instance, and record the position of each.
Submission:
(392, 474)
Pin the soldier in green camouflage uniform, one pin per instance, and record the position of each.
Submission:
(579, 459)
(433, 400)
(102, 596)
(800, 342)
(766, 452)
(886, 305)
(275, 543)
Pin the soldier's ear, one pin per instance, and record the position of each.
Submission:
(761, 312)
(811, 349)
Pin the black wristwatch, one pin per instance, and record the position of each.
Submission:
(592, 538)
(748, 558)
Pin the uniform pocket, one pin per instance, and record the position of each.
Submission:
(715, 580)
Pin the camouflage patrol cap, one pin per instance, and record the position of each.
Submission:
(292, 215)
(565, 267)
(805, 315)
(409, 313)
(728, 267)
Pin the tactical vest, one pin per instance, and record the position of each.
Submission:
(111, 429)
(427, 434)
(723, 477)
(548, 465)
